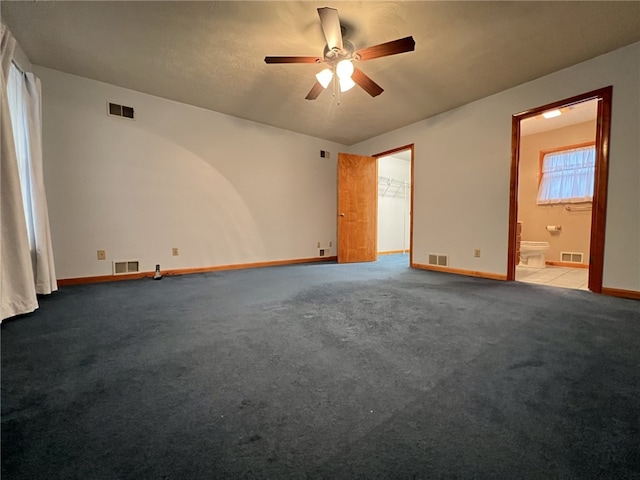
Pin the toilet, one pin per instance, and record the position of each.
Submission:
(532, 253)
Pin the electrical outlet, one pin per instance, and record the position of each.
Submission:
(330, 244)
(476, 253)
(102, 255)
(174, 251)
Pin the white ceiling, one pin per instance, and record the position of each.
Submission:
(211, 54)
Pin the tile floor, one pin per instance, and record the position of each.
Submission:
(566, 277)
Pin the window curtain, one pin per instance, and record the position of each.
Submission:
(26, 117)
(568, 176)
(17, 268)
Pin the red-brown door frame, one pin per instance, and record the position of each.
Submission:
(391, 152)
(599, 210)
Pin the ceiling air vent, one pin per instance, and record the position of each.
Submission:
(117, 110)
(439, 260)
(571, 257)
(121, 267)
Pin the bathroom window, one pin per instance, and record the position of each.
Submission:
(567, 175)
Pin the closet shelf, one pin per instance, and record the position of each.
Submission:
(393, 187)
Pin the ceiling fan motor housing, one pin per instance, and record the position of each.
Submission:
(334, 56)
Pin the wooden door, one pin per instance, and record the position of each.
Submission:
(357, 208)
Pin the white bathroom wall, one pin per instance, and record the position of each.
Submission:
(394, 205)
(463, 159)
(220, 189)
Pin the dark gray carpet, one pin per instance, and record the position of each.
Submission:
(322, 371)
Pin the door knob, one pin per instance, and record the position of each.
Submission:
(342, 214)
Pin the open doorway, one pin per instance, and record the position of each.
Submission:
(596, 216)
(555, 189)
(395, 199)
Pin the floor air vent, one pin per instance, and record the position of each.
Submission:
(571, 257)
(120, 110)
(121, 267)
(439, 260)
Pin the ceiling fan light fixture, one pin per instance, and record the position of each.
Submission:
(324, 77)
(346, 84)
(344, 69)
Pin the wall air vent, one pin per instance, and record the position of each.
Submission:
(439, 260)
(121, 267)
(117, 110)
(571, 257)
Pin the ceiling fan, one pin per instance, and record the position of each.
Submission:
(339, 55)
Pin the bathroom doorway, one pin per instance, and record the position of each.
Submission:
(554, 235)
(556, 232)
(395, 174)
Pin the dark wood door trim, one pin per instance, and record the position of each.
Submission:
(599, 211)
(600, 190)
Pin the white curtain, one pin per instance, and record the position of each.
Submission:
(26, 117)
(19, 273)
(567, 176)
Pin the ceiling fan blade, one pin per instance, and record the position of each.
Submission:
(368, 85)
(315, 91)
(292, 60)
(394, 47)
(330, 23)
